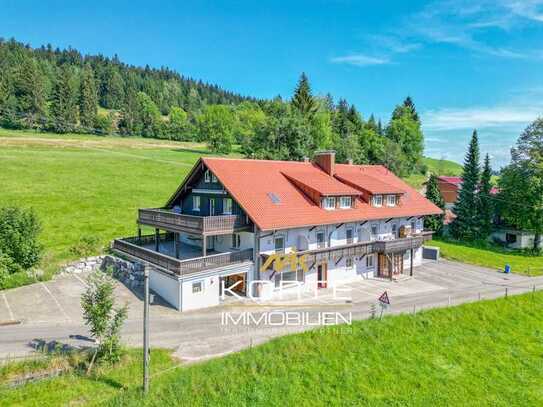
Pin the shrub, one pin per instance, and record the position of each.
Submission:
(19, 230)
(86, 246)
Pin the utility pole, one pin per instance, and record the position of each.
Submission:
(146, 330)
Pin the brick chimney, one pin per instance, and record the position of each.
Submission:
(327, 161)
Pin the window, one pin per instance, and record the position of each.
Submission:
(207, 177)
(394, 229)
(413, 226)
(377, 200)
(391, 200)
(349, 263)
(288, 276)
(349, 235)
(195, 203)
(374, 229)
(197, 287)
(320, 239)
(279, 244)
(345, 202)
(510, 238)
(213, 178)
(227, 206)
(329, 203)
(236, 241)
(369, 262)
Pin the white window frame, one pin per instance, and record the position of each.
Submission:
(413, 226)
(213, 178)
(329, 203)
(349, 263)
(195, 284)
(345, 202)
(226, 201)
(391, 200)
(394, 229)
(322, 244)
(207, 177)
(300, 277)
(196, 203)
(369, 262)
(352, 235)
(282, 250)
(236, 241)
(376, 226)
(377, 200)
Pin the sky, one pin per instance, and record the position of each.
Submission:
(466, 64)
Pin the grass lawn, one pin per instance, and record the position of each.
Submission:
(490, 256)
(83, 185)
(485, 353)
(435, 166)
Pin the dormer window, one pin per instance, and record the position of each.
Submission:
(377, 200)
(391, 200)
(209, 177)
(345, 202)
(329, 203)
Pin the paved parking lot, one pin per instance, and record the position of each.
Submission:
(51, 310)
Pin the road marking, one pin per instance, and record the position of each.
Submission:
(9, 308)
(80, 280)
(56, 301)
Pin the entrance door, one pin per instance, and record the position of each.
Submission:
(390, 265)
(382, 265)
(397, 266)
(322, 275)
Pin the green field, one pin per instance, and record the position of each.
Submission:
(435, 166)
(485, 353)
(88, 185)
(488, 255)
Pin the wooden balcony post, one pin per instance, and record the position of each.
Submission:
(157, 241)
(411, 264)
(177, 244)
(204, 245)
(139, 236)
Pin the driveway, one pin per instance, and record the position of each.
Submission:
(51, 311)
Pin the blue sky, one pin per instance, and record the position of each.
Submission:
(466, 64)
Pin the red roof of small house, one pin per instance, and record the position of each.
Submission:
(371, 178)
(458, 182)
(273, 202)
(320, 182)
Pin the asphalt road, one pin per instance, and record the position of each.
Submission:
(50, 311)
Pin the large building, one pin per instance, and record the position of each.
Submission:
(239, 223)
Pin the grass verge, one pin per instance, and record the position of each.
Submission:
(485, 353)
(488, 255)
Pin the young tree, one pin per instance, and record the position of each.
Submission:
(148, 118)
(103, 320)
(521, 183)
(178, 125)
(486, 200)
(466, 209)
(19, 232)
(29, 92)
(303, 100)
(434, 222)
(63, 104)
(88, 98)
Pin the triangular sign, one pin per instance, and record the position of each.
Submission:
(384, 298)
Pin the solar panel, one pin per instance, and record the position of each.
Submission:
(274, 198)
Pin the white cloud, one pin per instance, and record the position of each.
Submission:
(359, 60)
(480, 117)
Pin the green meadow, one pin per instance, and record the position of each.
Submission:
(487, 353)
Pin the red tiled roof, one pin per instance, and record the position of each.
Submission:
(320, 182)
(451, 180)
(250, 182)
(359, 176)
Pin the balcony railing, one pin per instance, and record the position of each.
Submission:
(129, 246)
(205, 225)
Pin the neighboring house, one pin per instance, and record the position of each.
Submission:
(229, 215)
(507, 236)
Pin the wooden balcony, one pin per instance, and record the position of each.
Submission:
(402, 244)
(202, 225)
(130, 247)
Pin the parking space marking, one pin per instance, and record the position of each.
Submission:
(11, 317)
(56, 301)
(80, 280)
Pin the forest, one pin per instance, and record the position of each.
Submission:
(64, 91)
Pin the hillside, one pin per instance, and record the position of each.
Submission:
(434, 166)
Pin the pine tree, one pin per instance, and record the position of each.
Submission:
(29, 92)
(303, 100)
(486, 203)
(466, 209)
(408, 103)
(434, 222)
(63, 104)
(88, 98)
